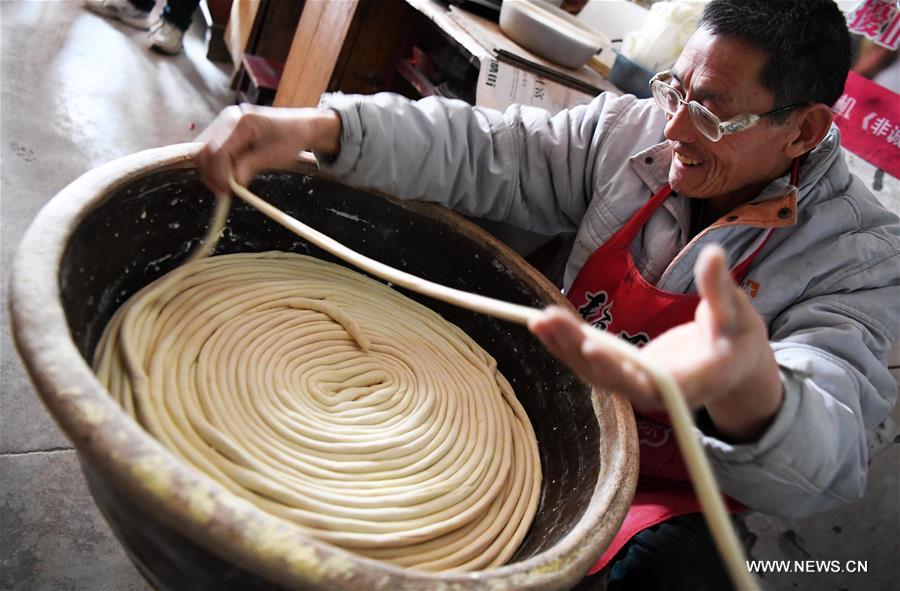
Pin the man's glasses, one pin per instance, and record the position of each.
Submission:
(670, 99)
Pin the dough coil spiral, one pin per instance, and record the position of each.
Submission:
(332, 401)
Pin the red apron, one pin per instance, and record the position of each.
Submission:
(610, 293)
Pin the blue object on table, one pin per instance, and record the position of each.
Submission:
(630, 77)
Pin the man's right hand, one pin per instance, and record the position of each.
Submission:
(248, 139)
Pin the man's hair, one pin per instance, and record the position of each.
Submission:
(806, 41)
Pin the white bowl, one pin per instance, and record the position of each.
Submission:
(549, 32)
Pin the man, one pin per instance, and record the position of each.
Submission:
(778, 339)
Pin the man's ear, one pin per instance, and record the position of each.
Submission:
(810, 126)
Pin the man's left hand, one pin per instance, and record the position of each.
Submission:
(721, 360)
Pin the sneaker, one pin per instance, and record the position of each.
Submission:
(122, 10)
(166, 38)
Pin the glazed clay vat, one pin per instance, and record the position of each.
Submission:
(124, 224)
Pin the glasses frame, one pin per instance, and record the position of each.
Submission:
(723, 128)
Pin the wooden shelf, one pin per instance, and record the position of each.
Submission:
(359, 46)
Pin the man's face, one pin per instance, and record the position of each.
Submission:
(723, 75)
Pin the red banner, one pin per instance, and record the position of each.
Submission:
(879, 20)
(868, 116)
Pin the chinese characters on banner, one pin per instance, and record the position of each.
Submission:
(879, 20)
(868, 116)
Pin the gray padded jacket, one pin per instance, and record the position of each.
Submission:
(827, 284)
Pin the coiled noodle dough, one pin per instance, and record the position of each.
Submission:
(332, 401)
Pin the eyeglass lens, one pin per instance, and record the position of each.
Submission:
(669, 100)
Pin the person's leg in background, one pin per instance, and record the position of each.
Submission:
(135, 13)
(674, 555)
(167, 35)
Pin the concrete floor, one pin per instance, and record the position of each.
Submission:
(78, 91)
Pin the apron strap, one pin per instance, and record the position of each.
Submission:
(625, 236)
(739, 272)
